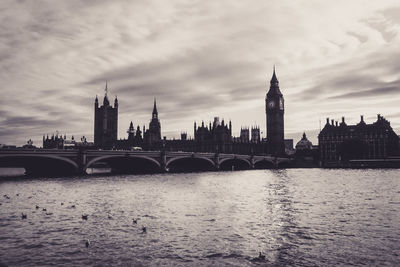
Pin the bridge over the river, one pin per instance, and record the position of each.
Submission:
(63, 162)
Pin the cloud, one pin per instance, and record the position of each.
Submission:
(376, 92)
(200, 59)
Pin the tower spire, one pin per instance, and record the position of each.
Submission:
(155, 112)
(96, 102)
(155, 107)
(106, 89)
(105, 100)
(274, 85)
(274, 80)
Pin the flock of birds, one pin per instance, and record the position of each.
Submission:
(84, 217)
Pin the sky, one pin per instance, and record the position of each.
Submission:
(200, 59)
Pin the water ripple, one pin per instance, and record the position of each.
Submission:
(293, 217)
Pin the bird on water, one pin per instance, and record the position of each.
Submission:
(261, 256)
(23, 216)
(134, 221)
(87, 243)
(85, 217)
(144, 229)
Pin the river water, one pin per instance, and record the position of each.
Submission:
(297, 217)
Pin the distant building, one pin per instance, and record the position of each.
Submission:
(61, 142)
(247, 135)
(4, 146)
(29, 144)
(304, 143)
(105, 123)
(306, 154)
(255, 134)
(342, 142)
(184, 136)
(288, 146)
(151, 138)
(215, 137)
(54, 142)
(244, 135)
(153, 135)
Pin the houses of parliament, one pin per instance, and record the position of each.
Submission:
(339, 144)
(215, 136)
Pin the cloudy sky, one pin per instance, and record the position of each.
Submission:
(200, 59)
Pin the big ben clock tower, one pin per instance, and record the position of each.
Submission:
(274, 108)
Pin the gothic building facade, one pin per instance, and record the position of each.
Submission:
(105, 123)
(342, 142)
(61, 142)
(274, 108)
(214, 137)
(152, 136)
(255, 134)
(244, 135)
(149, 139)
(250, 135)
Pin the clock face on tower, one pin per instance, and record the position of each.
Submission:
(281, 103)
(271, 104)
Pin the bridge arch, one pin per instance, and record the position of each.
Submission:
(264, 164)
(41, 164)
(284, 164)
(190, 164)
(127, 164)
(234, 163)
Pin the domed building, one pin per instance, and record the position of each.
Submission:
(304, 144)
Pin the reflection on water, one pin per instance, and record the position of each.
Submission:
(11, 172)
(301, 217)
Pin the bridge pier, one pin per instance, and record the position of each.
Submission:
(216, 162)
(163, 162)
(252, 161)
(82, 161)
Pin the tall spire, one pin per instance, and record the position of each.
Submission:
(274, 80)
(116, 102)
(155, 107)
(274, 87)
(155, 113)
(106, 89)
(131, 130)
(105, 100)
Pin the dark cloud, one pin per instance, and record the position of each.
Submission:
(185, 84)
(375, 92)
(28, 121)
(353, 79)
